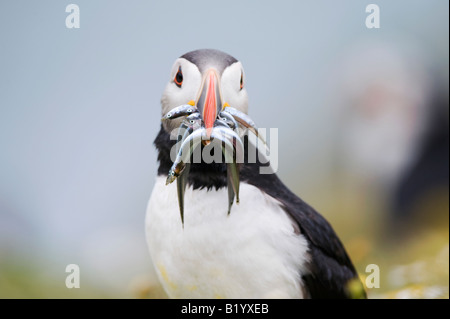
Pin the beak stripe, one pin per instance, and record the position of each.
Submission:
(210, 109)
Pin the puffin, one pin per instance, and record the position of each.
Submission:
(242, 234)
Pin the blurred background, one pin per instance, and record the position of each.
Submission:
(363, 119)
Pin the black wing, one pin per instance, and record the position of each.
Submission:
(330, 268)
(331, 272)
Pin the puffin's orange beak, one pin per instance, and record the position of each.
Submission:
(209, 103)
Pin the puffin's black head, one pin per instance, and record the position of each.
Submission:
(208, 79)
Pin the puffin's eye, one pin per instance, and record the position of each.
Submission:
(178, 77)
(242, 81)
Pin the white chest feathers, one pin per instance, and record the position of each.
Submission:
(252, 253)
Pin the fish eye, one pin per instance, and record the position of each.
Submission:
(178, 77)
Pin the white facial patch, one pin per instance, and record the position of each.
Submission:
(231, 87)
(173, 95)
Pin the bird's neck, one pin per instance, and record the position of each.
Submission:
(201, 175)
